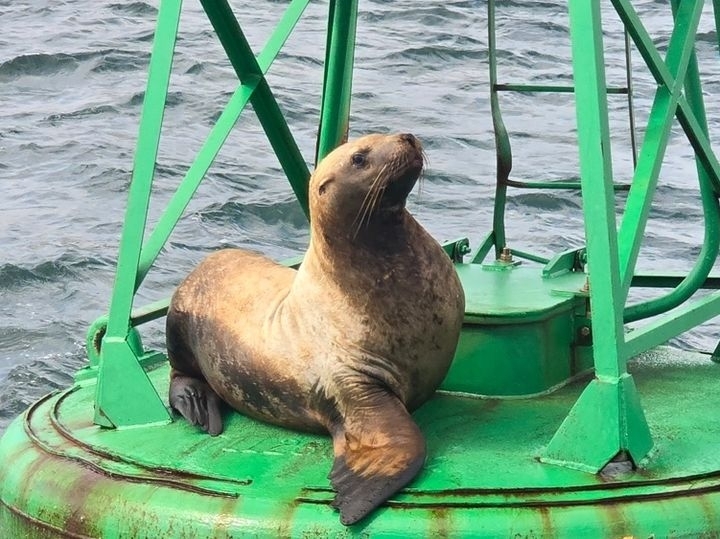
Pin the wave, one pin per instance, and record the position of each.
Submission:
(66, 267)
(41, 64)
(445, 53)
(134, 8)
(88, 111)
(546, 201)
(120, 60)
(27, 382)
(248, 214)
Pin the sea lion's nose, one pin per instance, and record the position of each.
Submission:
(409, 138)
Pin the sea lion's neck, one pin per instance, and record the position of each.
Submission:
(341, 244)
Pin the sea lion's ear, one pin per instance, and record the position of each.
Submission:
(377, 452)
(324, 184)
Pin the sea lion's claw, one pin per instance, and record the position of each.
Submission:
(372, 464)
(197, 403)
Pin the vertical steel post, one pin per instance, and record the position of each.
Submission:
(607, 419)
(124, 394)
(337, 82)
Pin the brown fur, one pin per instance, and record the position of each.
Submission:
(360, 335)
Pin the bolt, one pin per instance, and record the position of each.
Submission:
(585, 331)
(506, 255)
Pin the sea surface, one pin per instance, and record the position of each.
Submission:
(72, 78)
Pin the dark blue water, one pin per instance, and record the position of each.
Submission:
(72, 77)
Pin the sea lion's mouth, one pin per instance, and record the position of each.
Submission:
(403, 178)
(399, 188)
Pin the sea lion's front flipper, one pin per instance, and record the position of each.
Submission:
(196, 402)
(378, 450)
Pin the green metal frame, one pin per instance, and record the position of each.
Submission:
(124, 394)
(611, 399)
(607, 419)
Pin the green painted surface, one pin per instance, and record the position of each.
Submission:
(63, 471)
(520, 292)
(521, 331)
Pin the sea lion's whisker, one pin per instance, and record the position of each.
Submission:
(360, 217)
(376, 200)
(367, 203)
(367, 196)
(365, 213)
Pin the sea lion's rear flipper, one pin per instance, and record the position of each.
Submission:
(378, 450)
(196, 402)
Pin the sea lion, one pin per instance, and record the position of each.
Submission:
(350, 343)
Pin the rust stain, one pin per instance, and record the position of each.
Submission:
(710, 512)
(287, 518)
(615, 520)
(32, 470)
(35, 528)
(81, 520)
(547, 524)
(147, 523)
(226, 517)
(440, 521)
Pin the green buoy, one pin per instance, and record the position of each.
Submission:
(554, 421)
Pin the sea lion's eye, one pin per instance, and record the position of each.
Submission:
(358, 159)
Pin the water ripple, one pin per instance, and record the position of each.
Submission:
(42, 64)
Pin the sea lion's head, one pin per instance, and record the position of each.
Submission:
(364, 182)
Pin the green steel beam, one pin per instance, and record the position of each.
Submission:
(337, 84)
(697, 276)
(650, 160)
(484, 248)
(660, 72)
(529, 256)
(630, 99)
(144, 167)
(597, 183)
(672, 323)
(557, 184)
(267, 109)
(607, 418)
(215, 140)
(553, 88)
(124, 394)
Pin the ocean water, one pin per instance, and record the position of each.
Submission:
(72, 77)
